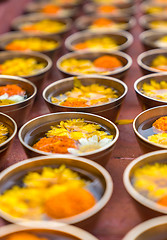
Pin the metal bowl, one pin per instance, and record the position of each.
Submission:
(51, 230)
(71, 4)
(149, 39)
(145, 6)
(35, 17)
(127, 3)
(145, 21)
(108, 110)
(10, 36)
(145, 59)
(35, 7)
(37, 78)
(83, 23)
(12, 127)
(39, 125)
(122, 38)
(155, 228)
(149, 115)
(19, 111)
(149, 158)
(119, 73)
(101, 187)
(123, 9)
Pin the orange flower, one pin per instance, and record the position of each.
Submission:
(15, 46)
(107, 62)
(102, 22)
(163, 201)
(30, 28)
(24, 235)
(56, 144)
(107, 9)
(80, 46)
(75, 102)
(161, 124)
(69, 203)
(50, 9)
(12, 90)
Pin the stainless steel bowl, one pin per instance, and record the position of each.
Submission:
(10, 36)
(83, 23)
(71, 4)
(146, 101)
(119, 73)
(122, 38)
(37, 78)
(19, 111)
(35, 17)
(108, 110)
(35, 7)
(145, 59)
(102, 185)
(149, 158)
(149, 39)
(36, 126)
(155, 228)
(12, 127)
(149, 115)
(145, 6)
(47, 229)
(145, 21)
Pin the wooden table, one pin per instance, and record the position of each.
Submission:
(120, 215)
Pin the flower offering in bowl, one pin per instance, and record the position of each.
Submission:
(81, 134)
(151, 90)
(120, 2)
(33, 66)
(149, 127)
(8, 129)
(65, 181)
(94, 94)
(154, 9)
(17, 96)
(157, 23)
(145, 180)
(104, 63)
(83, 41)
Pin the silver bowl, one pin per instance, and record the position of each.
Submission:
(35, 17)
(127, 3)
(37, 78)
(35, 7)
(46, 229)
(149, 39)
(145, 6)
(108, 110)
(146, 101)
(102, 185)
(123, 10)
(10, 123)
(118, 73)
(19, 111)
(155, 228)
(71, 4)
(10, 36)
(149, 158)
(122, 38)
(37, 126)
(82, 23)
(145, 21)
(145, 59)
(149, 115)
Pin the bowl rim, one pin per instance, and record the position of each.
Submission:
(144, 226)
(13, 54)
(81, 53)
(91, 35)
(140, 136)
(149, 53)
(86, 76)
(21, 35)
(54, 226)
(21, 80)
(144, 21)
(79, 217)
(145, 77)
(133, 192)
(75, 114)
(14, 131)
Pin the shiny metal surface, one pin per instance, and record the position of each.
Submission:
(149, 158)
(10, 123)
(119, 73)
(109, 110)
(37, 78)
(87, 168)
(43, 123)
(122, 38)
(145, 21)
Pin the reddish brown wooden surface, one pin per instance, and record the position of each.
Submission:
(120, 215)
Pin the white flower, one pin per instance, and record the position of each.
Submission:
(16, 98)
(4, 96)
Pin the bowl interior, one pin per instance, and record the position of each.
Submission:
(148, 58)
(4, 119)
(150, 39)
